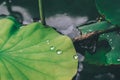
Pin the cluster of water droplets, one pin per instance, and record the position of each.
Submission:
(78, 57)
(110, 41)
(59, 52)
(53, 48)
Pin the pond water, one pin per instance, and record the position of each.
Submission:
(65, 16)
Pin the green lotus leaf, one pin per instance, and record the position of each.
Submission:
(107, 51)
(110, 9)
(34, 52)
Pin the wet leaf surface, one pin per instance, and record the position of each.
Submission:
(107, 48)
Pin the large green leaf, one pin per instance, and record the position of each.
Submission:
(110, 9)
(107, 46)
(34, 52)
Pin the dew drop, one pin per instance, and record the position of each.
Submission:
(118, 59)
(108, 36)
(90, 30)
(59, 52)
(110, 40)
(52, 47)
(113, 48)
(75, 57)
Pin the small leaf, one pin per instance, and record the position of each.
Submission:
(25, 53)
(110, 9)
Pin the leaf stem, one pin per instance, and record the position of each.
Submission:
(95, 33)
(41, 12)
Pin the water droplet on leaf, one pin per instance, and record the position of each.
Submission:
(113, 48)
(111, 42)
(108, 36)
(118, 59)
(59, 52)
(110, 39)
(75, 57)
(52, 47)
(90, 30)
